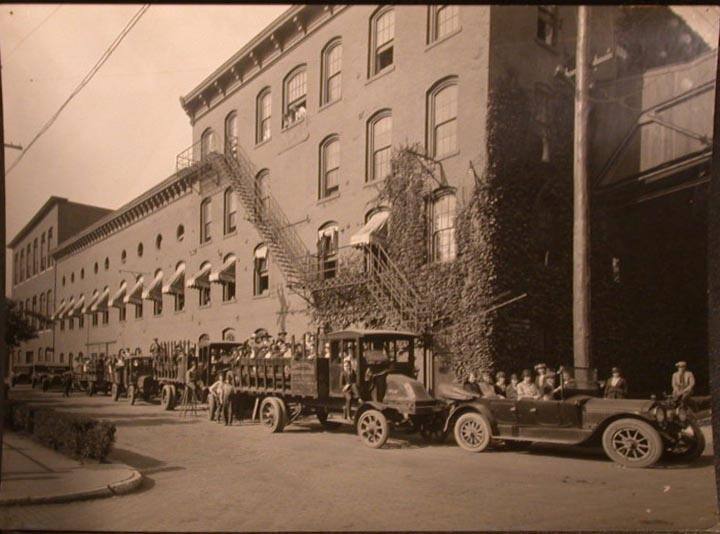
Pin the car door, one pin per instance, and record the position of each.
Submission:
(504, 412)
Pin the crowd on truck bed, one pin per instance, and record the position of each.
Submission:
(547, 384)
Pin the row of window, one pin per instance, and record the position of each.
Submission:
(37, 307)
(25, 262)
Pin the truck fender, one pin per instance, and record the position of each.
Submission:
(367, 405)
(458, 409)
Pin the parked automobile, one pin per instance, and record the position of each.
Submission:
(136, 379)
(21, 375)
(633, 432)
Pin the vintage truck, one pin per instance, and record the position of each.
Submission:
(93, 375)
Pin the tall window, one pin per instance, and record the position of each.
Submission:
(43, 310)
(261, 278)
(382, 39)
(443, 226)
(295, 96)
(180, 293)
(229, 280)
(231, 132)
(331, 72)
(81, 321)
(49, 245)
(49, 303)
(329, 166)
(42, 252)
(34, 310)
(230, 208)
(21, 266)
(205, 220)
(15, 268)
(28, 262)
(207, 143)
(263, 114)
(35, 256)
(327, 249)
(547, 25)
(204, 294)
(379, 145)
(443, 21)
(442, 118)
(139, 310)
(122, 315)
(262, 190)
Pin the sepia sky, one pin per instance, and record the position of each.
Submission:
(120, 135)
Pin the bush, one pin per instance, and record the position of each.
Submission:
(76, 435)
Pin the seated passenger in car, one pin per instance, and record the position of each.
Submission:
(471, 386)
(527, 389)
(549, 390)
(511, 388)
(487, 387)
(500, 385)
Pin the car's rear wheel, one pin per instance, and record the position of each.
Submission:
(272, 415)
(691, 446)
(373, 428)
(472, 432)
(168, 397)
(632, 443)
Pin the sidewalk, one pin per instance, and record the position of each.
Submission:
(33, 473)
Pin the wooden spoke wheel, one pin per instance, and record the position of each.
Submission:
(167, 398)
(373, 428)
(632, 443)
(272, 414)
(472, 432)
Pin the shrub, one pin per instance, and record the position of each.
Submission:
(74, 434)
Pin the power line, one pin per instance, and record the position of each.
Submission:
(105, 56)
(36, 28)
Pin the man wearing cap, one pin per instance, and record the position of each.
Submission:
(527, 389)
(541, 370)
(683, 382)
(616, 386)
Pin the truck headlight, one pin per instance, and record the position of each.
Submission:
(660, 415)
(682, 414)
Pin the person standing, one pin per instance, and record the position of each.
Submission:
(227, 399)
(683, 383)
(616, 386)
(348, 380)
(67, 383)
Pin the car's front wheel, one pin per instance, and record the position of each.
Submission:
(472, 432)
(632, 443)
(373, 428)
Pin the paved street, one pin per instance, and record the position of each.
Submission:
(204, 476)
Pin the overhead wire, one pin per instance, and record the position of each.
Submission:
(89, 76)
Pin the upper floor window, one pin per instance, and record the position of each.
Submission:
(230, 208)
(295, 96)
(442, 118)
(231, 132)
(263, 114)
(329, 166)
(547, 25)
(15, 268)
(442, 229)
(107, 263)
(261, 277)
(21, 266)
(140, 250)
(82, 273)
(382, 39)
(42, 252)
(35, 256)
(331, 72)
(180, 232)
(327, 249)
(379, 145)
(204, 294)
(227, 277)
(158, 241)
(207, 143)
(28, 262)
(123, 256)
(205, 220)
(49, 245)
(444, 20)
(49, 303)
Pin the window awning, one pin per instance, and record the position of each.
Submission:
(201, 278)
(176, 285)
(117, 299)
(59, 312)
(76, 308)
(101, 304)
(134, 296)
(154, 290)
(68, 308)
(88, 307)
(226, 274)
(261, 252)
(370, 232)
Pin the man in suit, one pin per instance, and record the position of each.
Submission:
(683, 383)
(616, 386)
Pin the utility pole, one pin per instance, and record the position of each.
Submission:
(581, 202)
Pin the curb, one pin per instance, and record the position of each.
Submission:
(116, 488)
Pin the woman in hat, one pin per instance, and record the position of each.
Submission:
(616, 386)
(527, 389)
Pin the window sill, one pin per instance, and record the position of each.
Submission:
(293, 125)
(377, 75)
(550, 48)
(230, 234)
(205, 306)
(263, 142)
(374, 183)
(206, 243)
(329, 104)
(261, 297)
(436, 42)
(231, 301)
(448, 156)
(329, 198)
(178, 312)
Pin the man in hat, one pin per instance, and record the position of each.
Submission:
(683, 383)
(541, 370)
(348, 380)
(527, 389)
(616, 386)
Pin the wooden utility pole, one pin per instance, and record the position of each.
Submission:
(581, 202)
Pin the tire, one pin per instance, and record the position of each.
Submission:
(272, 415)
(472, 432)
(632, 443)
(167, 399)
(115, 391)
(373, 428)
(132, 394)
(322, 416)
(693, 449)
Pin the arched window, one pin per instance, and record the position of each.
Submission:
(231, 132)
(263, 113)
(442, 118)
(262, 190)
(72, 277)
(327, 249)
(50, 304)
(442, 229)
(180, 232)
(227, 277)
(96, 268)
(331, 85)
(107, 263)
(261, 278)
(207, 143)
(82, 273)
(228, 334)
(158, 301)
(442, 20)
(63, 280)
(294, 96)
(21, 267)
(206, 220)
(203, 340)
(204, 294)
(140, 250)
(42, 252)
(382, 39)
(379, 145)
(329, 166)
(43, 310)
(158, 241)
(230, 209)
(123, 256)
(177, 286)
(50, 246)
(35, 256)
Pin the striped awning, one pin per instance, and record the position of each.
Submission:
(59, 312)
(154, 290)
(77, 308)
(226, 274)
(101, 304)
(201, 278)
(87, 309)
(375, 225)
(117, 298)
(176, 285)
(134, 295)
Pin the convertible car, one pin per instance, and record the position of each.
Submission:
(633, 432)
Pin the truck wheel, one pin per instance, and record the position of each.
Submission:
(132, 394)
(272, 415)
(115, 392)
(472, 432)
(168, 397)
(692, 445)
(632, 443)
(373, 429)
